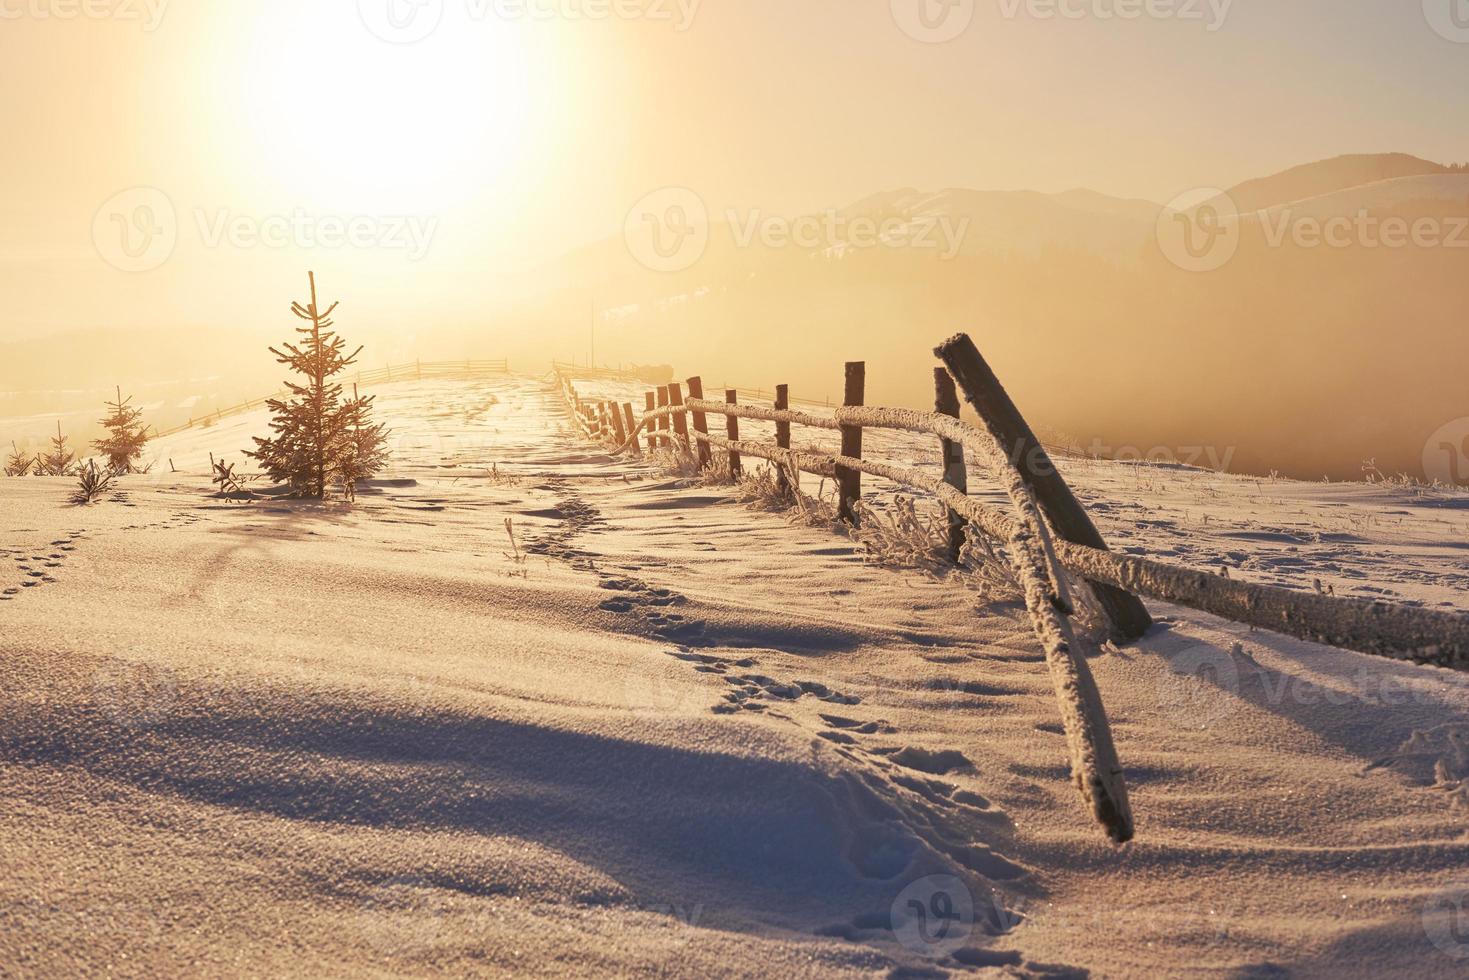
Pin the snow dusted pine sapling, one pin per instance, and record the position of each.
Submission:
(17, 463)
(367, 446)
(59, 461)
(126, 435)
(315, 447)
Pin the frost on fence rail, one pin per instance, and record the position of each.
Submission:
(1395, 631)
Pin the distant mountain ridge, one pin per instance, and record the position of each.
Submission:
(1028, 222)
(1328, 177)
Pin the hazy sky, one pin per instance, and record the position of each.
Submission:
(519, 128)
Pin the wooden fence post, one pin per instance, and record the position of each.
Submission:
(783, 436)
(701, 423)
(652, 429)
(732, 430)
(1127, 616)
(946, 402)
(849, 482)
(680, 418)
(631, 428)
(618, 432)
(665, 424)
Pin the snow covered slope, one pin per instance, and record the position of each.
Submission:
(526, 708)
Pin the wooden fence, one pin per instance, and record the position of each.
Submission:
(410, 371)
(1045, 529)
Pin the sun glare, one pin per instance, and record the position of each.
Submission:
(376, 126)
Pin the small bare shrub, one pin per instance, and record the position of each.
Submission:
(761, 490)
(92, 482)
(902, 536)
(677, 459)
(225, 480)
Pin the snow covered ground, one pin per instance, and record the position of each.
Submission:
(529, 708)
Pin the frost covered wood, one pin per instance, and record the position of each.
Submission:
(1399, 632)
(1126, 616)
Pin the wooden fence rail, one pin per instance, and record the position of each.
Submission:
(1382, 629)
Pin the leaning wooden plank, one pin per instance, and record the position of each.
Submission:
(1125, 612)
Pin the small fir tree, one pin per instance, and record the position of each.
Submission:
(60, 460)
(367, 447)
(314, 449)
(126, 435)
(17, 463)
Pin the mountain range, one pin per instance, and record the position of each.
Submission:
(1307, 361)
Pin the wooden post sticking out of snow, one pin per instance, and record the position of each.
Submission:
(946, 402)
(732, 430)
(849, 482)
(630, 427)
(1127, 616)
(782, 435)
(701, 423)
(648, 406)
(680, 418)
(663, 423)
(618, 432)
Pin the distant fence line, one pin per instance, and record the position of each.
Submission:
(661, 376)
(1039, 546)
(408, 371)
